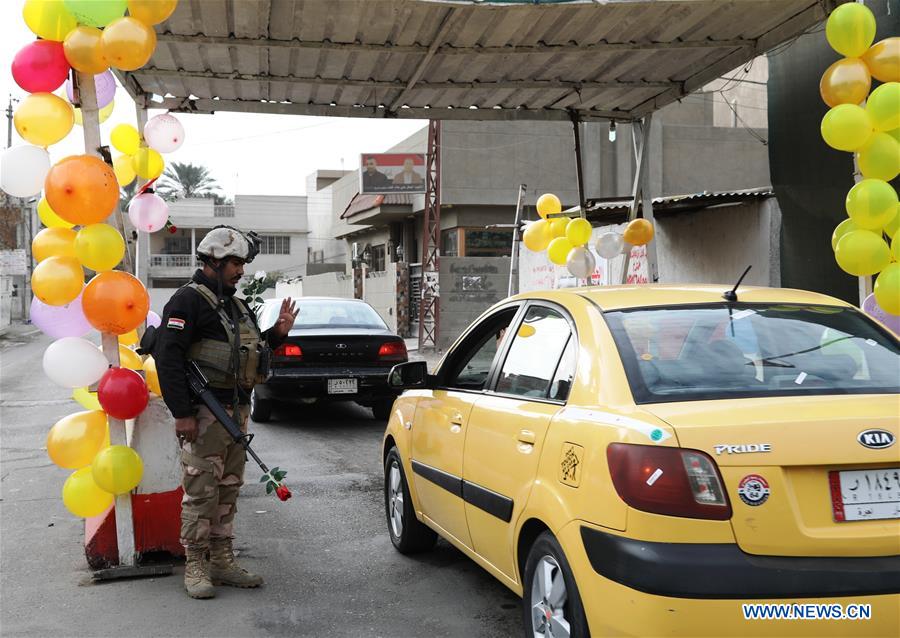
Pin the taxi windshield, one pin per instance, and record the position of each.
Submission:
(723, 351)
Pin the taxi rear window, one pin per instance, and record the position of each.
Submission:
(722, 351)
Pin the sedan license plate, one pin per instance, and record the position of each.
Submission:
(341, 386)
(865, 495)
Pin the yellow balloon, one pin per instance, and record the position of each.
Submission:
(74, 440)
(117, 469)
(151, 11)
(847, 127)
(147, 163)
(99, 247)
(128, 43)
(537, 235)
(124, 170)
(52, 242)
(883, 60)
(48, 19)
(548, 204)
(129, 338)
(842, 229)
(578, 232)
(152, 377)
(103, 113)
(84, 50)
(86, 399)
(125, 139)
(887, 289)
(850, 29)
(847, 81)
(862, 252)
(558, 226)
(49, 218)
(872, 204)
(44, 119)
(895, 247)
(891, 228)
(638, 232)
(883, 106)
(57, 280)
(130, 359)
(558, 250)
(880, 158)
(83, 497)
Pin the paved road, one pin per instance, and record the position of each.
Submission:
(329, 565)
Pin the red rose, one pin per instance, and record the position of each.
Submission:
(283, 492)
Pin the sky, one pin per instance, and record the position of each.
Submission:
(248, 154)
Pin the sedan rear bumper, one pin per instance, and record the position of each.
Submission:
(312, 382)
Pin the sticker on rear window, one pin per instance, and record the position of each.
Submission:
(753, 490)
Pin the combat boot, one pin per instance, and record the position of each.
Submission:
(223, 568)
(196, 574)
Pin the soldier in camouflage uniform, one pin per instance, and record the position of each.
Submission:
(206, 323)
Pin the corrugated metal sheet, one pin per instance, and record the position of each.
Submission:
(613, 208)
(361, 203)
(458, 59)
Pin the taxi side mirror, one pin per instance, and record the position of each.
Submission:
(404, 376)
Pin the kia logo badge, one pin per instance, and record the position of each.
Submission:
(340, 346)
(875, 439)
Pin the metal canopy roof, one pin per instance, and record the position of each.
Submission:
(455, 59)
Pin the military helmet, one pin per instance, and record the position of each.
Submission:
(225, 241)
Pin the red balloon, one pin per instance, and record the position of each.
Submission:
(122, 393)
(40, 66)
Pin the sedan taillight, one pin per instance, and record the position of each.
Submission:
(288, 350)
(393, 351)
(668, 480)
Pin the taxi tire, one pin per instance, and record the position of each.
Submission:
(260, 409)
(547, 545)
(415, 536)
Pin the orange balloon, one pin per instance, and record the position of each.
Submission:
(82, 189)
(84, 50)
(57, 280)
(116, 302)
(151, 11)
(52, 242)
(128, 43)
(846, 81)
(883, 60)
(638, 232)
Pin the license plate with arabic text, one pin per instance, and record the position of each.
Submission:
(341, 386)
(865, 495)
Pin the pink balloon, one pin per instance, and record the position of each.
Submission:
(871, 308)
(40, 66)
(164, 133)
(106, 88)
(153, 319)
(60, 321)
(148, 212)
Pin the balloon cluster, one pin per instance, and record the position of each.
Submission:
(79, 194)
(565, 239)
(861, 242)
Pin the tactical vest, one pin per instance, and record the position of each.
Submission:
(217, 358)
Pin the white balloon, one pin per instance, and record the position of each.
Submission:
(610, 245)
(581, 262)
(23, 170)
(164, 133)
(73, 362)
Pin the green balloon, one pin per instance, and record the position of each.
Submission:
(96, 13)
(862, 252)
(872, 204)
(842, 229)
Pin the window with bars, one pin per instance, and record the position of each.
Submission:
(378, 254)
(274, 245)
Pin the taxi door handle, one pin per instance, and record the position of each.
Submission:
(456, 419)
(527, 437)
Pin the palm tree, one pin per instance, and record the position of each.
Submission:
(186, 180)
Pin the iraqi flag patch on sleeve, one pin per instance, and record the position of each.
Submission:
(175, 323)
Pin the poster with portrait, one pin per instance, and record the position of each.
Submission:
(381, 173)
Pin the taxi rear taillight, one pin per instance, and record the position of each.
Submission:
(668, 480)
(289, 350)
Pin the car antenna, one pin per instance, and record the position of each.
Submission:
(731, 295)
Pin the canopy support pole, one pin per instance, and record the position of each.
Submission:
(517, 237)
(641, 199)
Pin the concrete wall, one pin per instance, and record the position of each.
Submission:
(380, 292)
(469, 286)
(330, 284)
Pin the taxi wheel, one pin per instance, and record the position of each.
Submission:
(407, 533)
(551, 605)
(260, 409)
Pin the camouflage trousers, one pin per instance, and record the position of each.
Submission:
(212, 476)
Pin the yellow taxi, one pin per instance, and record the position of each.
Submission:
(662, 460)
